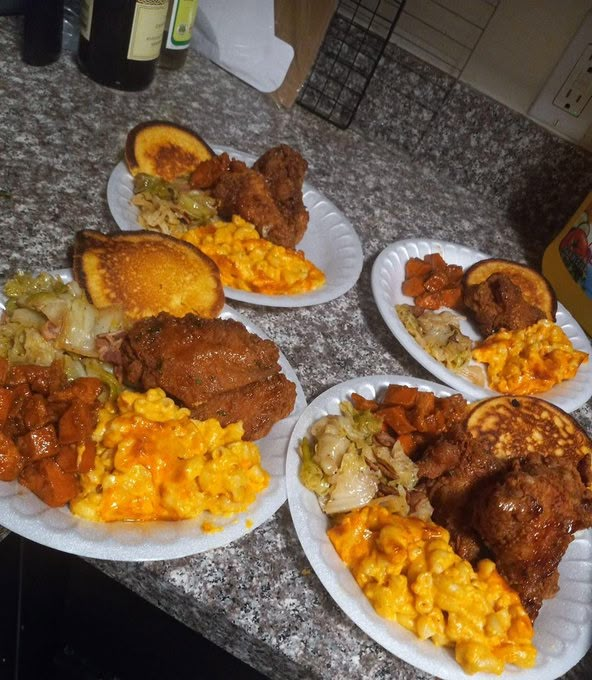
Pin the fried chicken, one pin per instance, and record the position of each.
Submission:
(451, 473)
(527, 518)
(269, 195)
(245, 193)
(215, 367)
(498, 303)
(284, 170)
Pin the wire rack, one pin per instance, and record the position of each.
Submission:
(439, 34)
(354, 43)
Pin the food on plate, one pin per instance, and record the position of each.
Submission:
(440, 335)
(154, 462)
(214, 367)
(171, 207)
(46, 427)
(245, 192)
(508, 426)
(498, 303)
(527, 518)
(534, 287)
(433, 283)
(46, 319)
(410, 574)
(249, 262)
(146, 273)
(521, 351)
(367, 451)
(529, 360)
(284, 169)
(519, 468)
(164, 149)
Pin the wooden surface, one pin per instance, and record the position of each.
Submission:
(303, 25)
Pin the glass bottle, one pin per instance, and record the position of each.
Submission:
(177, 35)
(42, 35)
(120, 41)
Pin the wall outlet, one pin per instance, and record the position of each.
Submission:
(565, 102)
(575, 94)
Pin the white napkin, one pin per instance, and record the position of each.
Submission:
(239, 36)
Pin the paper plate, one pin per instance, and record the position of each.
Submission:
(330, 241)
(25, 514)
(388, 274)
(563, 628)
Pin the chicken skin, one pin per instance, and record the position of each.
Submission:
(269, 195)
(498, 303)
(214, 367)
(527, 518)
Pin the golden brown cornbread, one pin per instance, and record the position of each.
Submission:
(509, 427)
(164, 149)
(146, 273)
(534, 286)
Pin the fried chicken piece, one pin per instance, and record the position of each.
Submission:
(215, 367)
(208, 172)
(527, 518)
(284, 170)
(451, 473)
(245, 193)
(260, 404)
(498, 303)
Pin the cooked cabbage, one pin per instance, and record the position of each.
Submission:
(346, 468)
(439, 334)
(47, 319)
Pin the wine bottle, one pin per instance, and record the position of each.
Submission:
(120, 41)
(42, 35)
(177, 36)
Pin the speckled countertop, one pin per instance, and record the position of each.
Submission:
(60, 136)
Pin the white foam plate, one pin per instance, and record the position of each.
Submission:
(563, 628)
(25, 514)
(330, 241)
(388, 274)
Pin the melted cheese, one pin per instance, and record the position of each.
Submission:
(156, 463)
(529, 360)
(249, 262)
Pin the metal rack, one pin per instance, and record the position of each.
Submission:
(358, 34)
(354, 43)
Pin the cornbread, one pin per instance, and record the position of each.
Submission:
(508, 427)
(529, 360)
(164, 149)
(410, 573)
(153, 462)
(249, 262)
(146, 273)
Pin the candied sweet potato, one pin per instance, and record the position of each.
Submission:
(46, 479)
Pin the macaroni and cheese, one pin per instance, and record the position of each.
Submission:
(249, 262)
(410, 573)
(154, 462)
(529, 360)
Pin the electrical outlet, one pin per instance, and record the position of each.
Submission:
(565, 102)
(575, 94)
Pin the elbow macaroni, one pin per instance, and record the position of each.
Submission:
(529, 360)
(410, 573)
(249, 262)
(154, 462)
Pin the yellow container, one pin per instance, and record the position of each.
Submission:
(567, 263)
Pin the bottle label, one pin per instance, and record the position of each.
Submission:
(86, 12)
(147, 29)
(182, 19)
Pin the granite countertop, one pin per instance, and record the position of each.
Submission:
(60, 137)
